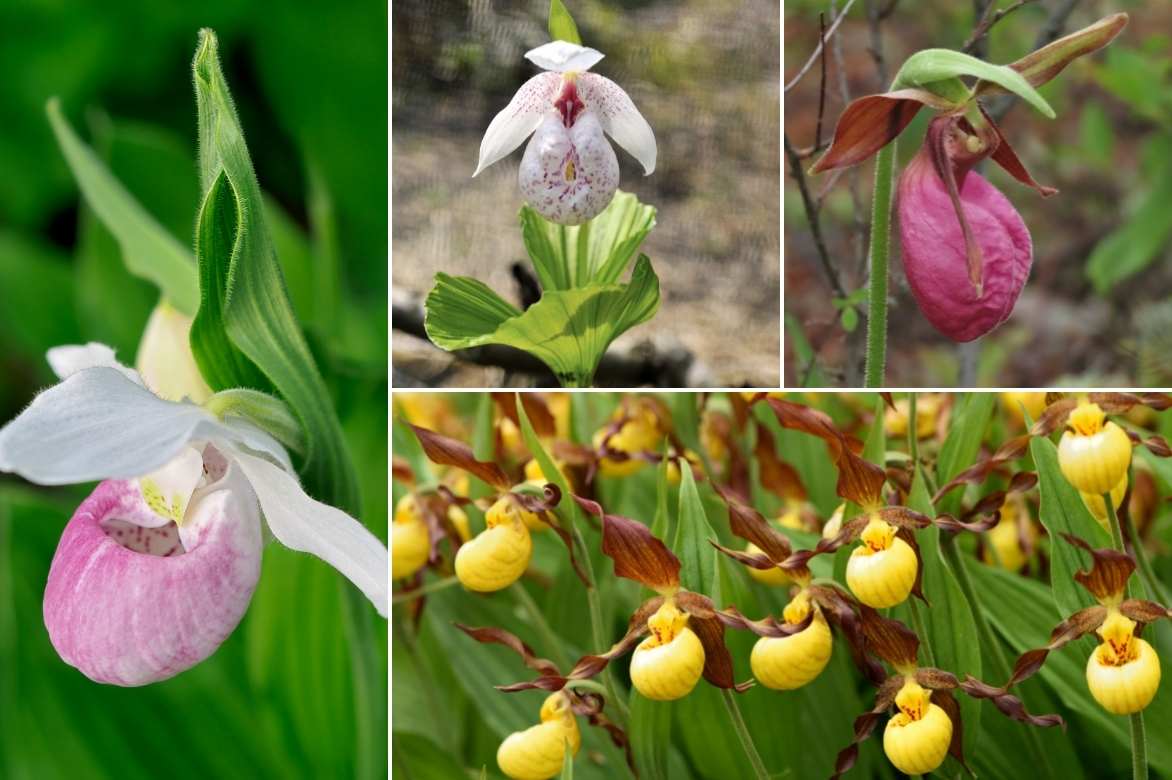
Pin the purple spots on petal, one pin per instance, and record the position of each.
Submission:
(569, 175)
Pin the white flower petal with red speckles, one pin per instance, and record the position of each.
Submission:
(518, 119)
(301, 523)
(563, 57)
(98, 424)
(130, 605)
(569, 175)
(67, 360)
(619, 118)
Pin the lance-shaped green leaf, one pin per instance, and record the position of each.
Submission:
(561, 24)
(257, 317)
(1047, 62)
(925, 67)
(597, 252)
(148, 250)
(568, 330)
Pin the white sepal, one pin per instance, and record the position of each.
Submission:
(564, 57)
(67, 360)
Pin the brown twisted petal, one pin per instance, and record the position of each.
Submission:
(754, 560)
(767, 626)
(841, 609)
(1077, 625)
(499, 636)
(777, 476)
(1009, 705)
(747, 523)
(637, 553)
(903, 517)
(590, 665)
(591, 704)
(947, 702)
(865, 724)
(449, 452)
(918, 584)
(1142, 611)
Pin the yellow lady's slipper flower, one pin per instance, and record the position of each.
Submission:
(917, 737)
(786, 663)
(1095, 453)
(834, 524)
(500, 554)
(410, 544)
(1123, 673)
(882, 570)
(1005, 538)
(1012, 403)
(667, 665)
(639, 433)
(927, 413)
(538, 752)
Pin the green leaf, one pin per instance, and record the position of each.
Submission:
(969, 421)
(418, 758)
(561, 24)
(216, 243)
(257, 316)
(650, 733)
(549, 469)
(940, 65)
(1139, 241)
(568, 330)
(596, 252)
(148, 249)
(850, 319)
(698, 566)
(1062, 511)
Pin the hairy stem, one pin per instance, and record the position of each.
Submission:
(877, 290)
(738, 721)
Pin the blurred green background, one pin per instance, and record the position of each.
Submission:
(704, 75)
(310, 84)
(1096, 309)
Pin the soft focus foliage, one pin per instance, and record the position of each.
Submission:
(278, 699)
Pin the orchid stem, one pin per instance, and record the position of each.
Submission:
(597, 630)
(431, 587)
(548, 637)
(1147, 573)
(877, 290)
(1139, 747)
(738, 721)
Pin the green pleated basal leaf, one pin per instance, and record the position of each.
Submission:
(568, 330)
(598, 251)
(561, 24)
(149, 251)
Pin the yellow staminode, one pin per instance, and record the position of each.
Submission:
(1123, 673)
(500, 554)
(668, 664)
(917, 737)
(1095, 453)
(638, 434)
(786, 663)
(410, 544)
(538, 752)
(882, 569)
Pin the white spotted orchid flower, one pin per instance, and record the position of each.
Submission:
(569, 172)
(158, 565)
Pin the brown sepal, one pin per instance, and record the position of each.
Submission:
(637, 553)
(536, 410)
(888, 638)
(450, 452)
(1004, 156)
(918, 585)
(704, 620)
(1009, 705)
(747, 523)
(842, 610)
(947, 702)
(401, 471)
(590, 665)
(858, 480)
(952, 525)
(1077, 625)
(871, 122)
(1109, 572)
(776, 475)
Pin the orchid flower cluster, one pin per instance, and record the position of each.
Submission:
(581, 233)
(199, 451)
(857, 579)
(966, 251)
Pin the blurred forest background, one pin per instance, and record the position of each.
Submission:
(1097, 309)
(309, 81)
(705, 75)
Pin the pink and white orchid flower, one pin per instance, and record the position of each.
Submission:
(157, 567)
(569, 172)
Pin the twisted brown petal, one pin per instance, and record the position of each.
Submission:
(450, 452)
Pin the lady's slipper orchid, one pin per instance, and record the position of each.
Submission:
(1123, 672)
(158, 565)
(966, 251)
(569, 172)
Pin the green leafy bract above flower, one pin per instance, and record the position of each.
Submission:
(561, 24)
(568, 330)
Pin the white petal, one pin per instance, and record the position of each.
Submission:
(619, 118)
(563, 56)
(301, 523)
(569, 175)
(518, 119)
(99, 424)
(71, 358)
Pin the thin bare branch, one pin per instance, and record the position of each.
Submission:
(987, 22)
(814, 57)
(799, 176)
